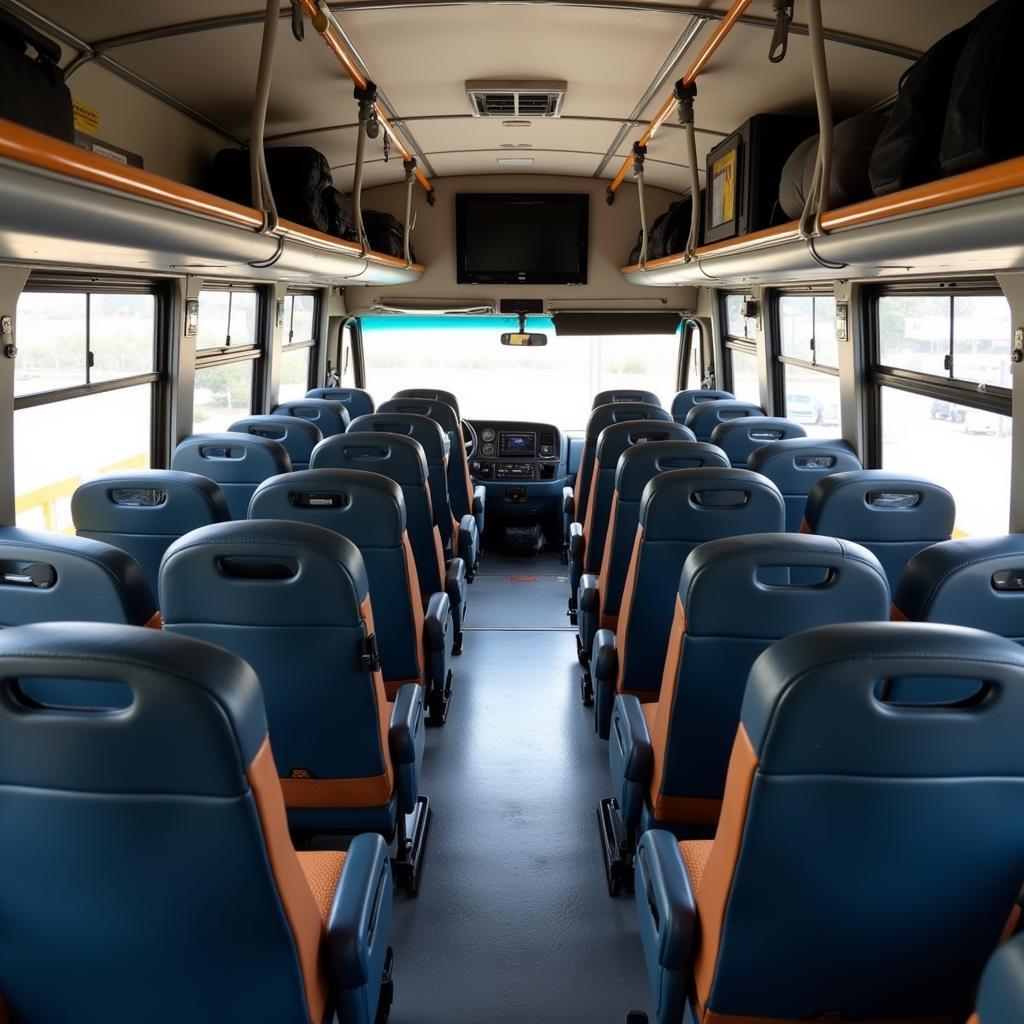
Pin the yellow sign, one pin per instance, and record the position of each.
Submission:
(723, 189)
(87, 119)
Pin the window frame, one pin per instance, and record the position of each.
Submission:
(779, 360)
(731, 342)
(312, 343)
(878, 375)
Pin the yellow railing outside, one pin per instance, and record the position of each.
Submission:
(49, 497)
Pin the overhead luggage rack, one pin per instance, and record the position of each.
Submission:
(65, 204)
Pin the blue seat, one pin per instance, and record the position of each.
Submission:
(575, 499)
(796, 465)
(50, 577)
(172, 814)
(459, 538)
(844, 817)
(434, 394)
(1001, 996)
(297, 436)
(705, 416)
(892, 514)
(740, 438)
(330, 417)
(466, 498)
(678, 511)
(356, 401)
(368, 510)
(142, 513)
(736, 597)
(625, 395)
(292, 599)
(684, 401)
(403, 460)
(599, 596)
(978, 581)
(587, 537)
(237, 463)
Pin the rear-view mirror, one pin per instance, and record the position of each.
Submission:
(524, 339)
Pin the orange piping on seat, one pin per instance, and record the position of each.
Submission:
(604, 573)
(660, 725)
(155, 621)
(322, 869)
(896, 615)
(297, 899)
(412, 583)
(588, 518)
(626, 605)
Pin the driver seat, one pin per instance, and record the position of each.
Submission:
(467, 498)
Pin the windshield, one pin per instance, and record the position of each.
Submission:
(555, 383)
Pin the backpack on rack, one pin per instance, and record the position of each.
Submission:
(983, 121)
(385, 234)
(298, 177)
(668, 234)
(32, 90)
(340, 221)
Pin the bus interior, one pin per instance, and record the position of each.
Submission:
(511, 511)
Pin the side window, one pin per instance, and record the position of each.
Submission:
(942, 379)
(298, 348)
(741, 348)
(808, 361)
(84, 383)
(694, 369)
(346, 370)
(228, 357)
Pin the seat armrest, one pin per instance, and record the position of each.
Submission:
(469, 544)
(663, 886)
(604, 673)
(588, 611)
(358, 927)
(455, 588)
(569, 503)
(435, 622)
(479, 506)
(630, 758)
(577, 552)
(405, 741)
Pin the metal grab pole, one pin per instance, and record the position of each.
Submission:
(817, 201)
(410, 184)
(259, 177)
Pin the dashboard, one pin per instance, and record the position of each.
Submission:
(517, 452)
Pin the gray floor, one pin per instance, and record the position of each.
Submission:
(513, 921)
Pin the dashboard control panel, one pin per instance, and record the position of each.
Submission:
(517, 451)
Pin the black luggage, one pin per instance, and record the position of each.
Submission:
(385, 234)
(339, 219)
(983, 122)
(298, 176)
(32, 90)
(907, 151)
(853, 142)
(668, 234)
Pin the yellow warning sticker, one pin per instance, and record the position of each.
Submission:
(87, 119)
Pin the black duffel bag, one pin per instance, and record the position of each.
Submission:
(298, 177)
(983, 122)
(385, 234)
(668, 234)
(32, 91)
(339, 219)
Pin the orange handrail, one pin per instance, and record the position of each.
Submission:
(336, 45)
(35, 149)
(705, 53)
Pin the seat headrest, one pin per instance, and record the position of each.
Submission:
(263, 572)
(50, 577)
(974, 582)
(434, 394)
(149, 502)
(619, 395)
(705, 416)
(399, 458)
(797, 464)
(816, 703)
(638, 465)
(298, 436)
(365, 507)
(686, 400)
(330, 417)
(434, 441)
(356, 401)
(440, 413)
(738, 438)
(739, 586)
(194, 724)
(875, 505)
(705, 504)
(620, 437)
(618, 412)
(231, 458)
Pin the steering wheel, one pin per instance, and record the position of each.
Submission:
(470, 439)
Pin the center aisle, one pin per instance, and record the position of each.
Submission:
(513, 922)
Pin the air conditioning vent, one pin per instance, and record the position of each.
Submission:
(512, 99)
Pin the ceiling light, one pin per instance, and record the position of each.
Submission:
(516, 124)
(516, 145)
(515, 161)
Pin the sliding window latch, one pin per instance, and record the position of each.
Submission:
(947, 363)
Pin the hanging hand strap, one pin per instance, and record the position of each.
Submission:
(685, 95)
(369, 128)
(639, 155)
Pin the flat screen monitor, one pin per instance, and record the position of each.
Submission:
(521, 239)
